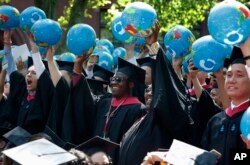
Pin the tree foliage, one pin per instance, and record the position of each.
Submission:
(5, 1)
(188, 13)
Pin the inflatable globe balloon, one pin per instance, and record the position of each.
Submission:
(105, 60)
(245, 124)
(228, 22)
(81, 38)
(46, 32)
(69, 57)
(119, 32)
(106, 43)
(138, 18)
(208, 54)
(119, 52)
(29, 16)
(178, 40)
(9, 17)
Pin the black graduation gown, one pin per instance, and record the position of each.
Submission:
(201, 112)
(78, 117)
(168, 119)
(222, 134)
(120, 122)
(32, 116)
(4, 125)
(60, 99)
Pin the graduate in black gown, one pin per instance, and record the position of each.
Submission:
(78, 118)
(61, 75)
(30, 97)
(116, 115)
(223, 129)
(167, 119)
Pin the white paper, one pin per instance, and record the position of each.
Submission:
(21, 51)
(39, 152)
(181, 153)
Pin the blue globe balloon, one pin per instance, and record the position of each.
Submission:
(81, 38)
(119, 32)
(138, 18)
(105, 60)
(106, 43)
(67, 56)
(46, 32)
(245, 124)
(208, 54)
(229, 22)
(29, 16)
(9, 17)
(178, 40)
(119, 52)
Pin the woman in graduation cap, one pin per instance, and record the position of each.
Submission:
(29, 100)
(223, 129)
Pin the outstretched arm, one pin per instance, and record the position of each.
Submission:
(193, 75)
(53, 69)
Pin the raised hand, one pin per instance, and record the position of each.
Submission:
(153, 37)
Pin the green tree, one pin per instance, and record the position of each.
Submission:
(188, 13)
(48, 6)
(5, 1)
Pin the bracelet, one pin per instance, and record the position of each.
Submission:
(246, 58)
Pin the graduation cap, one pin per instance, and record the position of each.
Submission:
(147, 61)
(96, 85)
(17, 136)
(98, 144)
(132, 71)
(102, 72)
(40, 152)
(236, 53)
(57, 140)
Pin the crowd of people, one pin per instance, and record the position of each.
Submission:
(136, 109)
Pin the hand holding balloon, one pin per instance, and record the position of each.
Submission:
(153, 37)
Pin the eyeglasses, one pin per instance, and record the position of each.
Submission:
(117, 79)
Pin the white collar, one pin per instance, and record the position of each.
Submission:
(234, 106)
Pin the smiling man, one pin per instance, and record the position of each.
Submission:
(223, 129)
(117, 114)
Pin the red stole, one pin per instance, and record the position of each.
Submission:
(126, 101)
(236, 110)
